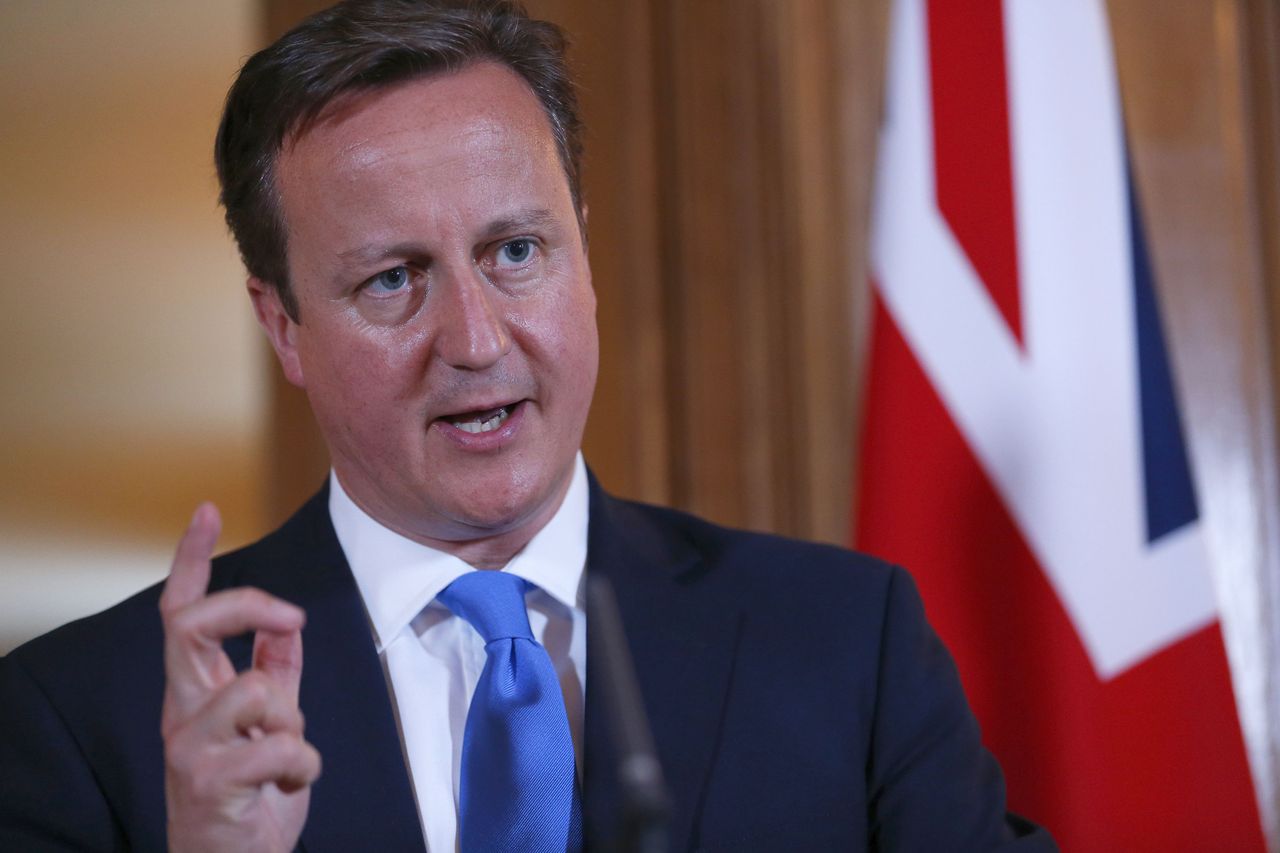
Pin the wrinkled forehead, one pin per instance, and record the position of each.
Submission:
(433, 162)
(482, 118)
(481, 103)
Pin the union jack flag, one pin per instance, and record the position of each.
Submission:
(1023, 453)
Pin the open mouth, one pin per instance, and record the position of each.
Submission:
(482, 421)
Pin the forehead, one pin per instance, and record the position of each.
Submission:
(443, 128)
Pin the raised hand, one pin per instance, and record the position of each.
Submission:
(237, 768)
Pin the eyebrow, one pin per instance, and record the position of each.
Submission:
(534, 217)
(372, 253)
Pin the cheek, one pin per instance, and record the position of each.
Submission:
(571, 318)
(561, 334)
(581, 337)
(352, 369)
(576, 345)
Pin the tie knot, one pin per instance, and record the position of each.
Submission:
(493, 602)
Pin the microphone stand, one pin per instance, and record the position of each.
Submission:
(642, 792)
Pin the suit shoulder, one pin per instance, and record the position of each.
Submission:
(764, 559)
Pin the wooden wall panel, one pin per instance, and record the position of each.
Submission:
(716, 270)
(829, 92)
(767, 154)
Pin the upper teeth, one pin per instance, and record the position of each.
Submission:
(488, 425)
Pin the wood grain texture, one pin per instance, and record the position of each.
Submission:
(767, 151)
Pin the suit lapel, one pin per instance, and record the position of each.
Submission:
(363, 799)
(683, 640)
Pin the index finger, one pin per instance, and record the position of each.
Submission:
(189, 573)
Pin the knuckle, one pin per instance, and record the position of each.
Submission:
(181, 622)
(255, 680)
(255, 690)
(249, 596)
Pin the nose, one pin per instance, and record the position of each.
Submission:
(471, 333)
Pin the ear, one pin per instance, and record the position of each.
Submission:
(281, 330)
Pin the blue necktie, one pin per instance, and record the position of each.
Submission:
(519, 792)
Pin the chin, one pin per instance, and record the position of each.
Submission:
(517, 508)
(498, 508)
(507, 502)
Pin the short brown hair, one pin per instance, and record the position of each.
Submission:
(363, 45)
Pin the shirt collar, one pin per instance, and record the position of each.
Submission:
(398, 577)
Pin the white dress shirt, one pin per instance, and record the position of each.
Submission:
(432, 659)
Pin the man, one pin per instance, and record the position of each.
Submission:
(402, 179)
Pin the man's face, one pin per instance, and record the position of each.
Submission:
(447, 336)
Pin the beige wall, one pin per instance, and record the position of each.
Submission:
(130, 375)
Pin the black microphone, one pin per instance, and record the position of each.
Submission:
(642, 792)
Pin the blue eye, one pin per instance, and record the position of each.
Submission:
(389, 281)
(515, 252)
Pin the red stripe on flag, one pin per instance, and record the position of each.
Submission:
(974, 172)
(1151, 760)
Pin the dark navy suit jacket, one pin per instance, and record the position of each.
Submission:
(798, 699)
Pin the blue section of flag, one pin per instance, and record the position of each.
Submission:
(1170, 492)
